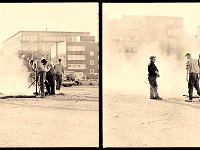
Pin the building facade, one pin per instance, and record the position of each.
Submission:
(130, 32)
(81, 50)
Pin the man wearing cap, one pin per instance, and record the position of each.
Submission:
(192, 68)
(152, 76)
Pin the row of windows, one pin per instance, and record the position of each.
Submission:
(35, 48)
(76, 66)
(48, 38)
(79, 66)
(76, 57)
(174, 31)
(76, 48)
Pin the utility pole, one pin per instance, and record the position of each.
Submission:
(57, 48)
(56, 51)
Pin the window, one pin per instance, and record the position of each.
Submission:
(35, 48)
(76, 48)
(45, 38)
(76, 57)
(57, 38)
(41, 38)
(43, 47)
(47, 47)
(31, 38)
(69, 38)
(73, 39)
(91, 62)
(27, 38)
(76, 66)
(54, 38)
(91, 53)
(25, 47)
(34, 38)
(91, 71)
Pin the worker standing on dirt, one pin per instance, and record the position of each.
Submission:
(50, 79)
(59, 71)
(42, 75)
(153, 74)
(192, 78)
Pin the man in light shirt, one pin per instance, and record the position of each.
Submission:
(59, 71)
(192, 67)
(41, 65)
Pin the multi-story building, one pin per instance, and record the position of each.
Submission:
(81, 50)
(130, 32)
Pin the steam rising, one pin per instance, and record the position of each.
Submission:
(13, 75)
(130, 76)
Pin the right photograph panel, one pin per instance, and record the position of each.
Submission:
(151, 59)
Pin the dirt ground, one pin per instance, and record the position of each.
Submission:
(69, 120)
(137, 121)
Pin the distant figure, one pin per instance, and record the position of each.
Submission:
(50, 79)
(59, 71)
(192, 67)
(153, 74)
(76, 80)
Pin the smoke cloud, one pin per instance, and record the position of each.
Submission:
(13, 75)
(129, 75)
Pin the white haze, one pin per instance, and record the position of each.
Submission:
(13, 75)
(130, 76)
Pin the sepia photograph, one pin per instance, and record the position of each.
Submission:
(151, 69)
(49, 60)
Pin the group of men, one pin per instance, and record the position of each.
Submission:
(46, 76)
(192, 77)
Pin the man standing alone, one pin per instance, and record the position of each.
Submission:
(59, 70)
(152, 75)
(192, 68)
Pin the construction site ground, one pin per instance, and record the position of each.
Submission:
(137, 121)
(69, 120)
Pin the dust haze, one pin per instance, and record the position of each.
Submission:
(129, 75)
(13, 75)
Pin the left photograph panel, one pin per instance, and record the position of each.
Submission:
(49, 60)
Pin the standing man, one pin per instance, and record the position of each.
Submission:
(50, 79)
(42, 75)
(192, 68)
(152, 76)
(59, 70)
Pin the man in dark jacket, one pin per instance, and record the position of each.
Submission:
(152, 75)
(50, 79)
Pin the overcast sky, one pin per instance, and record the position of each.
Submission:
(77, 17)
(189, 11)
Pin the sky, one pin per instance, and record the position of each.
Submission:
(189, 11)
(75, 17)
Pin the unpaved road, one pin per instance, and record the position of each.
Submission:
(71, 120)
(137, 121)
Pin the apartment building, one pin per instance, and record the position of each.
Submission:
(81, 50)
(130, 32)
